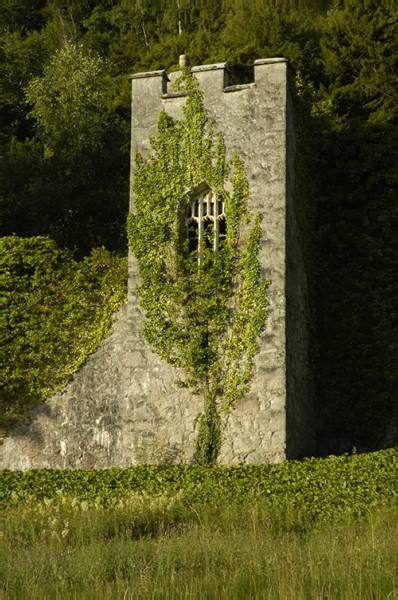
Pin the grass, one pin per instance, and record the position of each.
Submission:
(164, 547)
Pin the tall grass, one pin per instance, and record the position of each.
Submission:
(164, 547)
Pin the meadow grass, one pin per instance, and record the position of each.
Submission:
(157, 547)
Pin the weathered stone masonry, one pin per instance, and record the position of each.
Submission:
(124, 397)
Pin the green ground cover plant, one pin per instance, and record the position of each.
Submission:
(230, 544)
(316, 488)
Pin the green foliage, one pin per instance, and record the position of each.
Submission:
(321, 488)
(359, 50)
(70, 181)
(204, 319)
(27, 49)
(69, 102)
(79, 204)
(56, 313)
(140, 513)
(234, 550)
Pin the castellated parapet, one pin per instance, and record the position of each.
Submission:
(123, 403)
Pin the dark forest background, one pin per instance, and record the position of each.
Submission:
(65, 143)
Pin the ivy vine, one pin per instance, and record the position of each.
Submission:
(56, 313)
(203, 319)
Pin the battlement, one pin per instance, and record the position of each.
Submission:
(220, 75)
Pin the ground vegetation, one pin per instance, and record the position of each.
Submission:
(302, 528)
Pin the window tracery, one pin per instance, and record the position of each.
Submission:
(206, 223)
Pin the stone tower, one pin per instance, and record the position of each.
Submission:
(274, 420)
(124, 398)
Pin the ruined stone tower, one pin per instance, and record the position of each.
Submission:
(124, 398)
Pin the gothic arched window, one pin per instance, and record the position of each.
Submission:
(205, 222)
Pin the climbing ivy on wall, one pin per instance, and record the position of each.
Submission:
(203, 319)
(56, 312)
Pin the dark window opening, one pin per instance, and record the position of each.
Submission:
(192, 237)
(208, 233)
(222, 231)
(206, 223)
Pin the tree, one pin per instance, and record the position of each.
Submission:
(360, 54)
(69, 102)
(77, 191)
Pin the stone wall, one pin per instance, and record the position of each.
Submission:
(81, 426)
(123, 402)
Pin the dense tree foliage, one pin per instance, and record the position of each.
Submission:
(67, 163)
(66, 147)
(360, 57)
